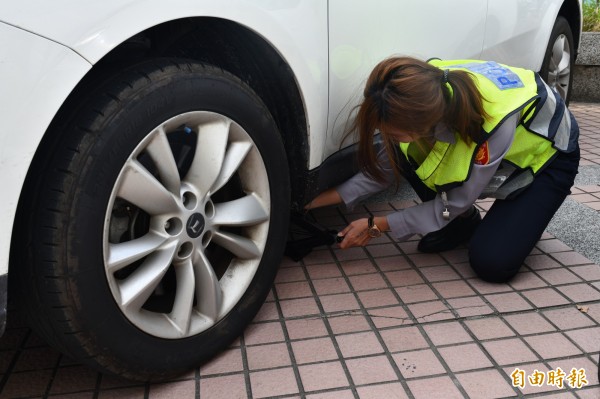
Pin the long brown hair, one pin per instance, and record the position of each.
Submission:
(413, 95)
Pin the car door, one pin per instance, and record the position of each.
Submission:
(361, 33)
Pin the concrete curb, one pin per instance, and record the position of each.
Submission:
(586, 78)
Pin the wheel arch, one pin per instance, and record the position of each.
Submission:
(571, 11)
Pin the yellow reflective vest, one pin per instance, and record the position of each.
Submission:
(545, 124)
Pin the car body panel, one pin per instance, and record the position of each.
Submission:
(398, 28)
(37, 86)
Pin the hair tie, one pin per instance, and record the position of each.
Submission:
(445, 77)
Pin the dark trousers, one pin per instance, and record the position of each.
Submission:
(512, 227)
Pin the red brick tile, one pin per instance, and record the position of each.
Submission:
(112, 381)
(6, 358)
(179, 389)
(587, 338)
(314, 350)
(486, 384)
(541, 262)
(377, 298)
(359, 344)
(73, 379)
(580, 293)
(366, 282)
(362, 266)
(268, 356)
(329, 286)
(403, 278)
(298, 289)
(419, 363)
(290, 274)
(27, 384)
(529, 323)
(590, 188)
(273, 382)
(439, 273)
(322, 376)
(231, 386)
(447, 333)
(465, 270)
(228, 361)
(393, 390)
(554, 245)
(392, 316)
(299, 307)
(438, 387)
(348, 323)
(382, 250)
(559, 276)
(409, 247)
(369, 370)
(403, 339)
(424, 260)
(510, 302)
(453, 289)
(430, 311)
(545, 297)
(339, 302)
(464, 357)
(337, 394)
(568, 318)
(591, 393)
(509, 351)
(571, 258)
(350, 254)
(526, 280)
(416, 293)
(267, 312)
(583, 198)
(306, 328)
(393, 263)
(483, 287)
(587, 273)
(318, 257)
(594, 205)
(470, 306)
(323, 271)
(263, 333)
(131, 393)
(456, 256)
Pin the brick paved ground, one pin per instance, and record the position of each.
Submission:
(382, 322)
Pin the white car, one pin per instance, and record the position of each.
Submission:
(152, 150)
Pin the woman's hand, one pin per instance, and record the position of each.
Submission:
(356, 234)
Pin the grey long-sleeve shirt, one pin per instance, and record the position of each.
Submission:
(427, 217)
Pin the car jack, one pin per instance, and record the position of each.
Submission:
(313, 235)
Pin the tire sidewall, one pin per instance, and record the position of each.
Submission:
(561, 27)
(173, 91)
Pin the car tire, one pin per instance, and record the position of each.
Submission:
(156, 222)
(559, 60)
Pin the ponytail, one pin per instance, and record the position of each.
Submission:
(464, 110)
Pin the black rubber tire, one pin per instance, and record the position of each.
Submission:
(561, 27)
(63, 287)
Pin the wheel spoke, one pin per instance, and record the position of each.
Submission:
(142, 189)
(209, 156)
(138, 287)
(208, 289)
(162, 155)
(245, 211)
(125, 253)
(236, 153)
(184, 297)
(241, 247)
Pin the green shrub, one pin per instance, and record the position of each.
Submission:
(591, 16)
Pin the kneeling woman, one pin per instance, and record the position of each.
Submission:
(458, 131)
